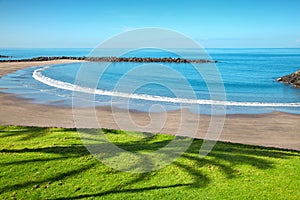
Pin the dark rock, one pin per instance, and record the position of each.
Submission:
(3, 56)
(293, 79)
(114, 59)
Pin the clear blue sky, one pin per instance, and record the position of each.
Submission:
(213, 23)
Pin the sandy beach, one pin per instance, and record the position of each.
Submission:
(273, 130)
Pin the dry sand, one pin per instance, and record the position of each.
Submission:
(273, 130)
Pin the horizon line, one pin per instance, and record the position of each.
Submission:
(149, 48)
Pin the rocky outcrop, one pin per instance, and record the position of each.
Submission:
(293, 79)
(115, 59)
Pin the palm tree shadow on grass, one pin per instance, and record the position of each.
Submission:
(237, 154)
(224, 156)
(27, 133)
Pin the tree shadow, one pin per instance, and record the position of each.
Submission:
(134, 190)
(68, 151)
(27, 133)
(224, 156)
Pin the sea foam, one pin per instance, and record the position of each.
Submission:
(38, 75)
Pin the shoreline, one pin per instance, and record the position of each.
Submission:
(279, 130)
(10, 67)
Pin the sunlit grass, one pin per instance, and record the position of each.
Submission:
(52, 163)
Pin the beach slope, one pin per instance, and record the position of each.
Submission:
(273, 130)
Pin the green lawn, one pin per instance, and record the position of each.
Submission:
(52, 163)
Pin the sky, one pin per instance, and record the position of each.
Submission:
(212, 23)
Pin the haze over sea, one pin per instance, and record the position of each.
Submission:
(249, 77)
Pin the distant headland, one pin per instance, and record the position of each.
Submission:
(113, 59)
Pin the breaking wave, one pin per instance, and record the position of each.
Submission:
(37, 75)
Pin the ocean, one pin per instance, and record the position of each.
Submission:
(243, 81)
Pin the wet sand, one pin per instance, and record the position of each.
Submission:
(273, 130)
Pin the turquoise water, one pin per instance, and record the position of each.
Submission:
(248, 76)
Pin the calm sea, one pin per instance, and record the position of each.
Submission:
(243, 80)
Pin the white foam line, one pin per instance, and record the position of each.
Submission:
(37, 75)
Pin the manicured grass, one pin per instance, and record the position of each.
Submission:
(52, 163)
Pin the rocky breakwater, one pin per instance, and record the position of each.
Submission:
(116, 59)
(293, 79)
(147, 60)
(44, 58)
(3, 56)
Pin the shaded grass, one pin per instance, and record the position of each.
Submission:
(52, 163)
